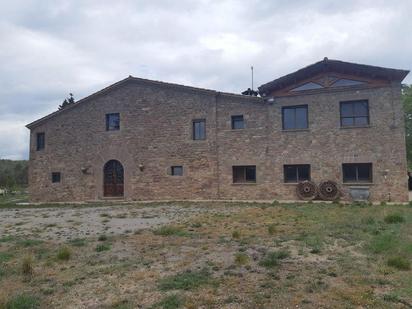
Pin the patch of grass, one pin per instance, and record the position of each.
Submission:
(5, 257)
(235, 234)
(272, 229)
(241, 259)
(27, 265)
(170, 230)
(23, 301)
(8, 238)
(63, 254)
(170, 302)
(123, 304)
(399, 262)
(78, 242)
(383, 243)
(272, 258)
(29, 242)
(103, 247)
(187, 280)
(394, 218)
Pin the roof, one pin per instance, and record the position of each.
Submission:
(141, 81)
(336, 66)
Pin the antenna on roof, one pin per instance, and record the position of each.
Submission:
(251, 68)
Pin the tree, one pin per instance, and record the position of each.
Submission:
(67, 102)
(407, 107)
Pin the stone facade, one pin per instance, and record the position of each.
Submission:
(156, 133)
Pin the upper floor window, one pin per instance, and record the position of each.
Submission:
(295, 117)
(56, 177)
(238, 122)
(357, 172)
(40, 141)
(354, 113)
(176, 171)
(296, 173)
(112, 122)
(199, 129)
(244, 174)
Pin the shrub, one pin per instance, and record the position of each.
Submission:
(27, 266)
(170, 230)
(187, 280)
(271, 259)
(170, 302)
(103, 247)
(394, 218)
(23, 301)
(241, 259)
(5, 257)
(383, 242)
(64, 254)
(78, 242)
(102, 238)
(399, 263)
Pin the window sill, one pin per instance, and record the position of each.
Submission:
(358, 184)
(355, 127)
(244, 183)
(295, 130)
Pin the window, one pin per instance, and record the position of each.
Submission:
(238, 122)
(308, 86)
(56, 176)
(357, 172)
(354, 113)
(244, 174)
(199, 129)
(295, 117)
(296, 173)
(40, 141)
(177, 171)
(112, 122)
(343, 82)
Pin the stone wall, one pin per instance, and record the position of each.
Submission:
(156, 132)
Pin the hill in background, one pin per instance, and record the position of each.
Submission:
(13, 174)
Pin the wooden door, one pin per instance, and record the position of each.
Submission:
(113, 179)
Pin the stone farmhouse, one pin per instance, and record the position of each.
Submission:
(140, 139)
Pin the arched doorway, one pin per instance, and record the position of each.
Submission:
(113, 179)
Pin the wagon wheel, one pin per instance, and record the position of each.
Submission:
(306, 190)
(328, 190)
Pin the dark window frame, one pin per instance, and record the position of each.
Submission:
(108, 126)
(40, 141)
(354, 116)
(235, 119)
(295, 107)
(174, 168)
(56, 177)
(243, 169)
(297, 178)
(356, 166)
(194, 136)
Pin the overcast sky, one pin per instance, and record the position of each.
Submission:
(51, 48)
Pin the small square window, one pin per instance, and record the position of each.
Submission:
(40, 141)
(177, 171)
(199, 129)
(244, 174)
(296, 173)
(112, 122)
(238, 122)
(354, 113)
(357, 172)
(56, 177)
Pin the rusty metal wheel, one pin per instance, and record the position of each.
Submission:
(306, 190)
(328, 190)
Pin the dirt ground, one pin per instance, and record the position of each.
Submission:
(206, 255)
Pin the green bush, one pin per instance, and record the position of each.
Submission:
(236, 234)
(271, 259)
(399, 262)
(170, 302)
(23, 301)
(187, 280)
(272, 229)
(64, 254)
(103, 247)
(394, 218)
(241, 259)
(170, 230)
